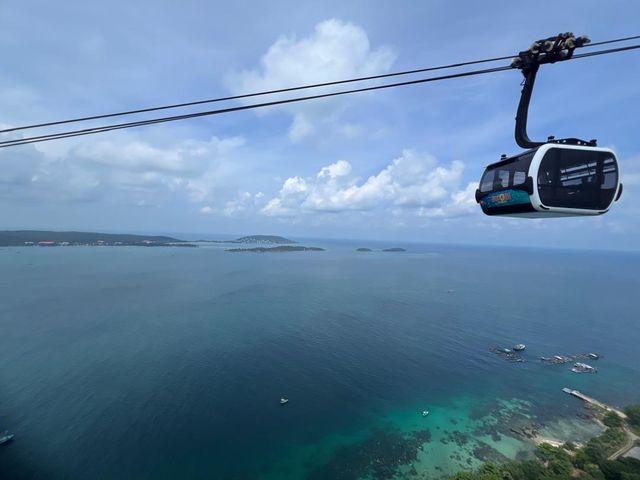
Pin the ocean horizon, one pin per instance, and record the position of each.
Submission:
(132, 362)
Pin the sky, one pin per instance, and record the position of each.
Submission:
(398, 164)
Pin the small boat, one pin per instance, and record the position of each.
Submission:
(425, 413)
(284, 401)
(519, 347)
(5, 437)
(583, 368)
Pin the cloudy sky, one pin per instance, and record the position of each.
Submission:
(396, 164)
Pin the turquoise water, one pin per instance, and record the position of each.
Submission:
(170, 363)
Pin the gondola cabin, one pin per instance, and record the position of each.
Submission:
(553, 180)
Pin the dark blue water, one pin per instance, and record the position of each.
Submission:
(169, 363)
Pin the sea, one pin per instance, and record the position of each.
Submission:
(170, 363)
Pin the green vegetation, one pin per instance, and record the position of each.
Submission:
(274, 239)
(281, 248)
(612, 420)
(633, 412)
(263, 239)
(569, 462)
(394, 249)
(21, 237)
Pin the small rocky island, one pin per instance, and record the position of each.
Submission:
(394, 249)
(363, 249)
(278, 249)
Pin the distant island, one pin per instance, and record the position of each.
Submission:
(281, 248)
(46, 238)
(264, 239)
(362, 249)
(268, 239)
(394, 249)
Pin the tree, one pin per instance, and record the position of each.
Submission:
(633, 412)
(580, 459)
(621, 469)
(525, 469)
(612, 419)
(594, 472)
(595, 452)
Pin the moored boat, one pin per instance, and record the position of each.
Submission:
(579, 367)
(5, 437)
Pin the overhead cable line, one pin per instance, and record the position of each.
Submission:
(281, 90)
(604, 52)
(617, 40)
(256, 94)
(107, 128)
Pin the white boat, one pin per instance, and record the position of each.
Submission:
(284, 401)
(5, 437)
(425, 413)
(519, 347)
(583, 368)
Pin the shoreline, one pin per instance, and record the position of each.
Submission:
(540, 439)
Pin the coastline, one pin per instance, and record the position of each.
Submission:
(454, 437)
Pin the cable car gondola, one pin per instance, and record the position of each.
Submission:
(556, 178)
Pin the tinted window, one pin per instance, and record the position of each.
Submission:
(503, 179)
(574, 178)
(506, 175)
(486, 184)
(519, 177)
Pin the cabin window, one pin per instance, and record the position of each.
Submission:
(519, 177)
(505, 175)
(486, 185)
(503, 179)
(575, 178)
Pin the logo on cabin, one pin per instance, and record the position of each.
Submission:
(504, 198)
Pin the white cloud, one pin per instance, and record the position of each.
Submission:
(300, 128)
(131, 170)
(412, 184)
(339, 169)
(244, 202)
(335, 50)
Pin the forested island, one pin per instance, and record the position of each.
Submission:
(46, 238)
(281, 248)
(394, 249)
(601, 458)
(266, 239)
(363, 249)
